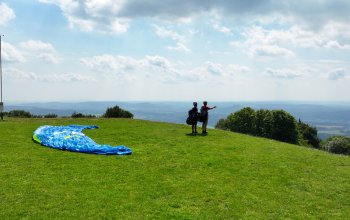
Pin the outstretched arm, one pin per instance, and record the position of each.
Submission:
(210, 108)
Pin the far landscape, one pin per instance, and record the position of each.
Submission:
(330, 119)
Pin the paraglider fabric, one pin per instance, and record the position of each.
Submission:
(71, 138)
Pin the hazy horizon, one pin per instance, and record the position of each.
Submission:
(182, 101)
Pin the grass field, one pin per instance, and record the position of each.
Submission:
(171, 175)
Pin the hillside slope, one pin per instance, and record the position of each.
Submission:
(171, 175)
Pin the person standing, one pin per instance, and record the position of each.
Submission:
(193, 116)
(205, 116)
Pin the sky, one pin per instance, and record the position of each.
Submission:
(175, 50)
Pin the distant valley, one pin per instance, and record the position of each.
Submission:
(329, 118)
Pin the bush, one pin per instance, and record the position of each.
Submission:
(117, 112)
(276, 124)
(221, 124)
(80, 115)
(77, 115)
(263, 123)
(337, 144)
(50, 115)
(19, 114)
(308, 135)
(284, 127)
(242, 121)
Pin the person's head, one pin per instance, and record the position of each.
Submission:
(205, 103)
(195, 104)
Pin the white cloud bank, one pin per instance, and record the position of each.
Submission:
(11, 54)
(161, 69)
(18, 75)
(93, 15)
(42, 50)
(6, 14)
(115, 15)
(338, 74)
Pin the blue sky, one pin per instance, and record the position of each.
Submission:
(131, 50)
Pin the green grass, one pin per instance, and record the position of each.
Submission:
(170, 175)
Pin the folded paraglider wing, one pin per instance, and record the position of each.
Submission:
(71, 138)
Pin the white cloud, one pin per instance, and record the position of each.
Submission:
(270, 51)
(48, 57)
(16, 74)
(165, 33)
(215, 72)
(10, 53)
(100, 15)
(337, 74)
(333, 35)
(214, 69)
(157, 62)
(66, 78)
(261, 42)
(237, 69)
(179, 47)
(93, 15)
(313, 13)
(222, 29)
(180, 40)
(159, 68)
(108, 63)
(6, 14)
(283, 73)
(34, 45)
(42, 50)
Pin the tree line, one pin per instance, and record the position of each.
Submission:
(111, 112)
(282, 126)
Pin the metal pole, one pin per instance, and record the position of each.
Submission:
(1, 103)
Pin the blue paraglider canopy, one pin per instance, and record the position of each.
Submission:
(71, 138)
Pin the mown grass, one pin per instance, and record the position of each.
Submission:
(171, 175)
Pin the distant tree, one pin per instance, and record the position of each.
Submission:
(242, 121)
(221, 124)
(37, 116)
(308, 135)
(337, 144)
(276, 124)
(50, 115)
(263, 123)
(80, 115)
(77, 115)
(284, 127)
(117, 112)
(19, 114)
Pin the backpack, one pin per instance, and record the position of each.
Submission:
(192, 117)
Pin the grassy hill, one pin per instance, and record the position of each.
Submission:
(171, 175)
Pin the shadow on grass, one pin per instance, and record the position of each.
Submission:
(195, 135)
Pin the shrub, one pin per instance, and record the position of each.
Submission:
(263, 123)
(284, 127)
(50, 115)
(308, 135)
(221, 124)
(242, 121)
(337, 144)
(77, 115)
(276, 124)
(117, 112)
(19, 114)
(80, 115)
